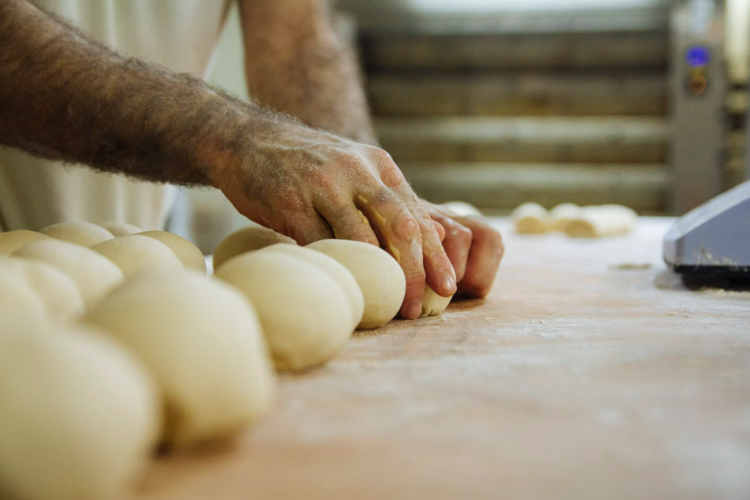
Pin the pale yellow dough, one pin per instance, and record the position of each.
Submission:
(134, 254)
(306, 315)
(340, 273)
(602, 221)
(94, 274)
(79, 416)
(81, 233)
(120, 228)
(378, 275)
(57, 290)
(189, 254)
(245, 240)
(531, 218)
(15, 240)
(202, 342)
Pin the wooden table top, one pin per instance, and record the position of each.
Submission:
(579, 377)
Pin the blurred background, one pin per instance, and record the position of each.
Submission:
(499, 102)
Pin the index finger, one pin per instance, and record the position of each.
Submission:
(399, 234)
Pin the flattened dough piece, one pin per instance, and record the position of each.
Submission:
(602, 221)
(530, 218)
(562, 215)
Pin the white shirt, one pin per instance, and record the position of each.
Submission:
(179, 34)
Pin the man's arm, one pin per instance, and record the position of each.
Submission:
(297, 63)
(65, 97)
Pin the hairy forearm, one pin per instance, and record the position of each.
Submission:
(297, 63)
(65, 97)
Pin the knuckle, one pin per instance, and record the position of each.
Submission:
(405, 226)
(292, 199)
(463, 234)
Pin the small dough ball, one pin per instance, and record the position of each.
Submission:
(530, 218)
(562, 215)
(15, 240)
(203, 344)
(432, 303)
(58, 291)
(378, 275)
(78, 416)
(18, 297)
(462, 208)
(333, 268)
(305, 313)
(94, 274)
(602, 221)
(81, 233)
(189, 254)
(120, 228)
(135, 253)
(247, 239)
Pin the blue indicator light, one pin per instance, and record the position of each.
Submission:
(697, 57)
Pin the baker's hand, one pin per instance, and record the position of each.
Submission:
(311, 185)
(473, 247)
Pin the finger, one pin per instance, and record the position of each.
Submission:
(457, 243)
(440, 275)
(399, 234)
(484, 258)
(308, 228)
(440, 230)
(348, 223)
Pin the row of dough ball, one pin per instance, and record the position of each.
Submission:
(108, 261)
(181, 357)
(169, 356)
(575, 221)
(93, 407)
(377, 274)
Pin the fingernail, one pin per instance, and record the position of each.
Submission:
(414, 309)
(449, 283)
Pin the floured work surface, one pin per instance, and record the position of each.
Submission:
(590, 372)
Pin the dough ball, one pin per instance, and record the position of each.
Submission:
(530, 218)
(78, 416)
(189, 254)
(462, 208)
(57, 290)
(203, 344)
(81, 233)
(432, 303)
(602, 221)
(135, 253)
(562, 215)
(18, 297)
(378, 275)
(15, 240)
(120, 228)
(247, 239)
(305, 313)
(94, 274)
(334, 269)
